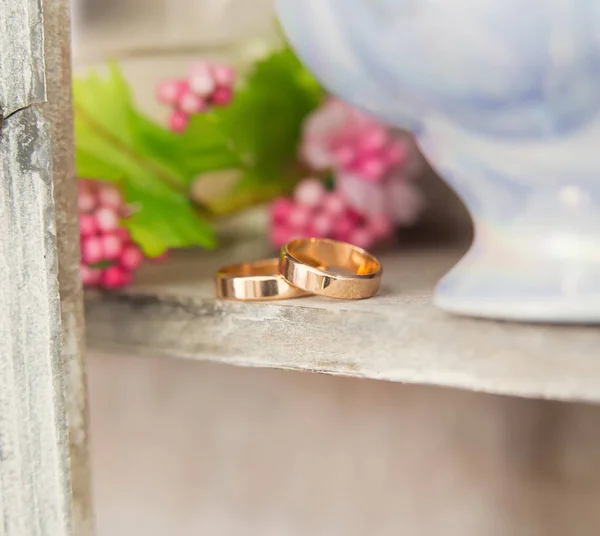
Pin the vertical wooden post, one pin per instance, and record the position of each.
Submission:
(58, 111)
(36, 152)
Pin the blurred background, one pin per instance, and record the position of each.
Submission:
(157, 39)
(187, 448)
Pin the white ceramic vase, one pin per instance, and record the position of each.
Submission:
(503, 97)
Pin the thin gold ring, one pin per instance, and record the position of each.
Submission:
(330, 268)
(254, 281)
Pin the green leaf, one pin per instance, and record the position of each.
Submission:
(260, 130)
(91, 165)
(258, 135)
(114, 142)
(179, 225)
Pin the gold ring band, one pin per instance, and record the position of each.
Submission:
(254, 281)
(330, 268)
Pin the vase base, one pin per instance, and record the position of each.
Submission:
(520, 287)
(532, 311)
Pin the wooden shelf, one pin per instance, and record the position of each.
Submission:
(398, 336)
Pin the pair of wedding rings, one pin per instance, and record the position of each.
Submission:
(305, 266)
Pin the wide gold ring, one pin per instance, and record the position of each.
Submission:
(330, 268)
(254, 281)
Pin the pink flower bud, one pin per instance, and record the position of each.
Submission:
(131, 258)
(87, 224)
(280, 209)
(221, 96)
(404, 200)
(333, 204)
(114, 277)
(396, 153)
(178, 121)
(111, 246)
(372, 169)
(381, 226)
(316, 156)
(223, 75)
(344, 155)
(344, 225)
(310, 192)
(91, 250)
(362, 196)
(110, 196)
(373, 139)
(362, 237)
(170, 91)
(86, 201)
(201, 80)
(191, 103)
(106, 219)
(322, 225)
(280, 235)
(89, 276)
(123, 234)
(299, 218)
(355, 216)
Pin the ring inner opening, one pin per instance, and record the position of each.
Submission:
(333, 256)
(264, 267)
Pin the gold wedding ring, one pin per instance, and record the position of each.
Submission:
(330, 268)
(255, 281)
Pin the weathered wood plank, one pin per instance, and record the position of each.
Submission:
(36, 152)
(21, 55)
(58, 111)
(396, 336)
(35, 497)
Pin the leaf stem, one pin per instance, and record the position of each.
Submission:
(164, 177)
(232, 203)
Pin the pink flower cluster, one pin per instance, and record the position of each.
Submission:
(108, 256)
(342, 138)
(313, 211)
(207, 84)
(373, 169)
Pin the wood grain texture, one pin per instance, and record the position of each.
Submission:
(398, 336)
(35, 498)
(58, 111)
(36, 168)
(21, 55)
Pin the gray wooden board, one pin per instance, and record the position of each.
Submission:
(21, 55)
(398, 336)
(35, 496)
(58, 111)
(35, 486)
